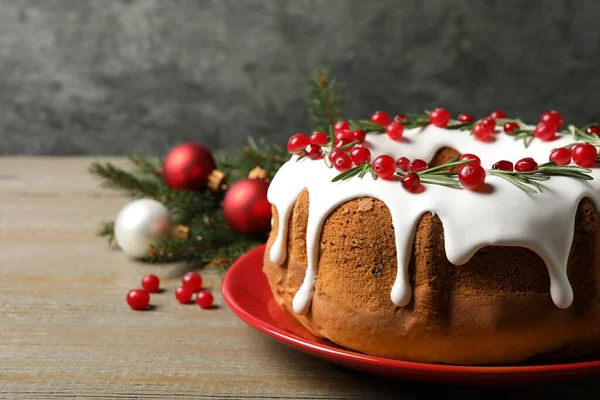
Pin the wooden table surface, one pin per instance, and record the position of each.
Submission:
(66, 330)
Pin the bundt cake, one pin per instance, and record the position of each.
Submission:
(461, 264)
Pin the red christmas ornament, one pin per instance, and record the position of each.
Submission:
(246, 207)
(188, 166)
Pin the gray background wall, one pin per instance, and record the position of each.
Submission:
(112, 77)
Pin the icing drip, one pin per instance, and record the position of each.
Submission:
(501, 215)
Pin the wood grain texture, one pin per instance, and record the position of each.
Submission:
(66, 331)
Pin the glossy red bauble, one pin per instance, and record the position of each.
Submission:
(411, 182)
(439, 117)
(471, 176)
(395, 130)
(380, 118)
(561, 156)
(503, 165)
(552, 118)
(151, 283)
(246, 208)
(545, 131)
(384, 166)
(584, 155)
(360, 155)
(319, 138)
(192, 281)
(188, 167)
(138, 299)
(183, 294)
(526, 165)
(204, 299)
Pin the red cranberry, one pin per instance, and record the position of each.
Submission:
(503, 165)
(360, 155)
(483, 131)
(380, 118)
(298, 142)
(341, 126)
(314, 152)
(335, 154)
(319, 138)
(204, 299)
(359, 135)
(418, 165)
(552, 118)
(138, 299)
(411, 182)
(183, 294)
(342, 162)
(593, 130)
(403, 163)
(510, 127)
(192, 281)
(439, 117)
(561, 156)
(469, 156)
(584, 155)
(471, 176)
(545, 131)
(395, 130)
(151, 283)
(497, 114)
(384, 167)
(526, 165)
(464, 118)
(400, 119)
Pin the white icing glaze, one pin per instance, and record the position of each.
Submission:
(501, 214)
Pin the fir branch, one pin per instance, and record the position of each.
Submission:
(116, 178)
(107, 230)
(325, 100)
(145, 165)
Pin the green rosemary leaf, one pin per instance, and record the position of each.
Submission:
(347, 174)
(444, 180)
(514, 180)
(349, 145)
(445, 166)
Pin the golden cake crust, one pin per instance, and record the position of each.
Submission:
(494, 309)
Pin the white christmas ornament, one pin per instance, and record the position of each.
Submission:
(139, 224)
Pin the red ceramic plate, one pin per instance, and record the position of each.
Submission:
(247, 292)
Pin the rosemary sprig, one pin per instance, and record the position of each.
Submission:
(581, 135)
(528, 181)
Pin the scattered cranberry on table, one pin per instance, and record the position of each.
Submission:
(192, 281)
(439, 117)
(584, 155)
(183, 294)
(151, 283)
(204, 299)
(380, 118)
(138, 299)
(561, 156)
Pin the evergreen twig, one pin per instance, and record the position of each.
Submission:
(325, 100)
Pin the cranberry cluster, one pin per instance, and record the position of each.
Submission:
(139, 299)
